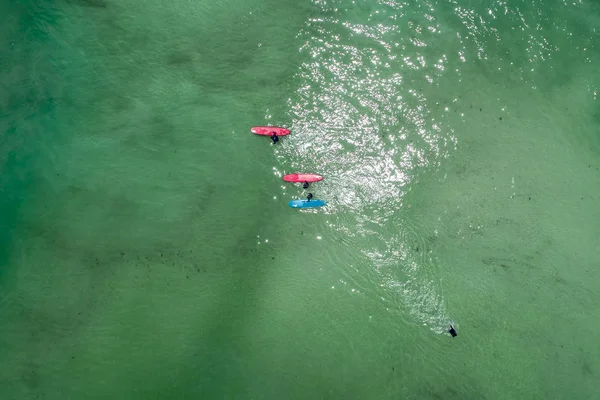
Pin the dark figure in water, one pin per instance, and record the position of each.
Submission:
(310, 196)
(305, 186)
(274, 137)
(452, 331)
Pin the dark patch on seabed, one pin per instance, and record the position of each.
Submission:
(90, 3)
(30, 92)
(179, 58)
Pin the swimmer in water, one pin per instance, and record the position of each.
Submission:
(274, 137)
(310, 196)
(305, 186)
(452, 331)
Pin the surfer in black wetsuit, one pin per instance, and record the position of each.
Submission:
(310, 196)
(274, 137)
(305, 186)
(452, 331)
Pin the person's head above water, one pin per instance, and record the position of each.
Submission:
(310, 196)
(305, 185)
(452, 331)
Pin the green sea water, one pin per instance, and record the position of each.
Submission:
(147, 250)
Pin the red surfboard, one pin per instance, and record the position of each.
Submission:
(268, 130)
(302, 178)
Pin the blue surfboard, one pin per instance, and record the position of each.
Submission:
(306, 203)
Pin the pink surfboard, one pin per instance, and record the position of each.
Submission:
(268, 130)
(302, 178)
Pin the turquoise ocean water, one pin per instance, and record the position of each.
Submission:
(147, 250)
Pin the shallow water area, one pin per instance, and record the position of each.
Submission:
(147, 243)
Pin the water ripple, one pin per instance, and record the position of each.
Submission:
(368, 115)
